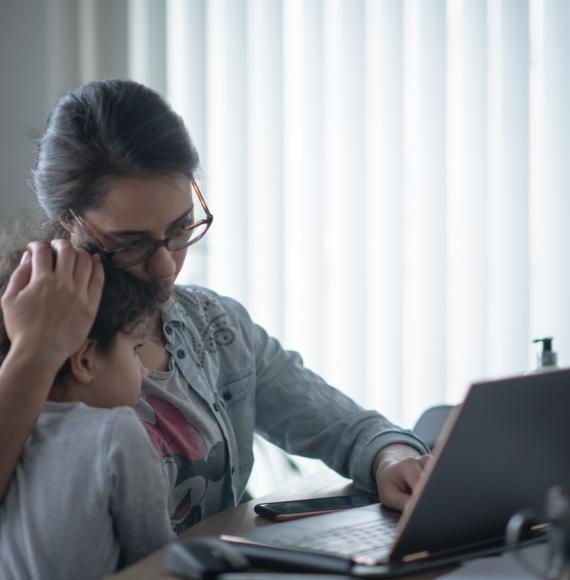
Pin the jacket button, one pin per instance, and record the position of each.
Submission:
(180, 354)
(168, 329)
(216, 407)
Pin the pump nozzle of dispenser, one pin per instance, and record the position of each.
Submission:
(546, 359)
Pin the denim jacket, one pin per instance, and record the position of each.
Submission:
(252, 384)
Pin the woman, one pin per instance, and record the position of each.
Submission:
(115, 167)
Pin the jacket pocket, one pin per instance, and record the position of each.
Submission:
(234, 390)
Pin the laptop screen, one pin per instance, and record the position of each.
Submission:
(500, 452)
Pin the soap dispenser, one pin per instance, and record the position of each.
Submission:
(546, 358)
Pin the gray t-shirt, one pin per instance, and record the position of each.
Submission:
(88, 493)
(190, 444)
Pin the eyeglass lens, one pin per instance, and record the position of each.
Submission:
(179, 241)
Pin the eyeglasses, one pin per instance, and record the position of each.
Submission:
(137, 252)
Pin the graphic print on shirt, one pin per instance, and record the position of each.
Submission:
(183, 448)
(214, 328)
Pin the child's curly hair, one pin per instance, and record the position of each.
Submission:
(126, 300)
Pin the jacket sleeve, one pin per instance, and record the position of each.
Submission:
(298, 411)
(138, 489)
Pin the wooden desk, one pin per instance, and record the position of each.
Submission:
(242, 518)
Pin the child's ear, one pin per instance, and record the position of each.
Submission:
(82, 362)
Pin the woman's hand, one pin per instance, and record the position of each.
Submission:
(51, 301)
(397, 469)
(49, 306)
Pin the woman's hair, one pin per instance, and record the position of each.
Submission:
(126, 300)
(106, 130)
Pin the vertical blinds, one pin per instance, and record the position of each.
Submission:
(389, 178)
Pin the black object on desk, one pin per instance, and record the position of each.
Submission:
(205, 558)
(300, 508)
(289, 559)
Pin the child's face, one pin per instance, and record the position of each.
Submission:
(119, 373)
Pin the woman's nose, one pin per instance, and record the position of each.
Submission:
(161, 264)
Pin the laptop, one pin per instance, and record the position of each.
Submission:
(499, 452)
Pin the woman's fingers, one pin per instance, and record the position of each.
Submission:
(42, 260)
(80, 271)
(47, 300)
(83, 268)
(95, 286)
(65, 259)
(20, 276)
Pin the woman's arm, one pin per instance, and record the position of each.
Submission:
(24, 386)
(298, 411)
(48, 308)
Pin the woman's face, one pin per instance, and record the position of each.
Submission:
(144, 209)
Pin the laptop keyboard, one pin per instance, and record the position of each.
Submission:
(367, 539)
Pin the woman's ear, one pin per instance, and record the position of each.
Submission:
(82, 362)
(70, 230)
(65, 223)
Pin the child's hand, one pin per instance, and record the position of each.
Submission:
(49, 310)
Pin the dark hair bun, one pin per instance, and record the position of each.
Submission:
(104, 130)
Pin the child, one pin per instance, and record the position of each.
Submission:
(88, 494)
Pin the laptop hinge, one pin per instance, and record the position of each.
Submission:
(416, 556)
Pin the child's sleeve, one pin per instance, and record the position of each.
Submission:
(138, 495)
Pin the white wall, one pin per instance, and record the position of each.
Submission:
(22, 99)
(48, 47)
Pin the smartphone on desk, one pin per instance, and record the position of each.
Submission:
(300, 508)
